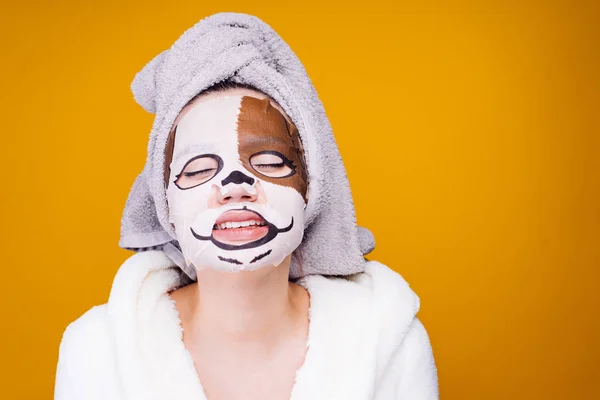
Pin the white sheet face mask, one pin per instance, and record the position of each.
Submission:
(237, 184)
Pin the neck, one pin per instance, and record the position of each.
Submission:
(248, 305)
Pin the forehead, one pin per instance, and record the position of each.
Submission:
(227, 92)
(209, 123)
(230, 118)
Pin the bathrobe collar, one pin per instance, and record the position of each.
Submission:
(350, 331)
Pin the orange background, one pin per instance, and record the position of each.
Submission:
(471, 138)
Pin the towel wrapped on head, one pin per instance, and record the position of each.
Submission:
(243, 49)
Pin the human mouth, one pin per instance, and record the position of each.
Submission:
(235, 226)
(241, 237)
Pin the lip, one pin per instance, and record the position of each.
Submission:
(271, 231)
(238, 216)
(240, 235)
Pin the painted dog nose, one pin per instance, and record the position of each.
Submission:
(237, 178)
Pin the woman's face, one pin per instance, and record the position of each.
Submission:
(237, 181)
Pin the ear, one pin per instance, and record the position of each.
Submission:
(143, 85)
(366, 240)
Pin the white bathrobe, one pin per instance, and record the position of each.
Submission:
(365, 341)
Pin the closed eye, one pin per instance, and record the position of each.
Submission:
(272, 164)
(278, 165)
(203, 171)
(198, 170)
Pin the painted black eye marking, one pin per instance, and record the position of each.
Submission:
(284, 162)
(238, 178)
(183, 174)
(230, 260)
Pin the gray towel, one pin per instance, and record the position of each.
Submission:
(244, 49)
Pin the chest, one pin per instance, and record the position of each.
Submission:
(248, 372)
(155, 361)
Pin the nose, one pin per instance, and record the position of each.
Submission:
(237, 187)
(237, 177)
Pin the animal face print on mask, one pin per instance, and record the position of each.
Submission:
(237, 184)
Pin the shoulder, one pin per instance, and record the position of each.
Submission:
(85, 353)
(383, 291)
(416, 344)
(394, 306)
(378, 298)
(374, 313)
(84, 358)
(92, 338)
(406, 366)
(411, 371)
(89, 330)
(391, 292)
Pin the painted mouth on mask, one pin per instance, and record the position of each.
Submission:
(246, 226)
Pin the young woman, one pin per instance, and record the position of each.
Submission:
(249, 279)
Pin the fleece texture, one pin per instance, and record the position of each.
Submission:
(242, 48)
(364, 340)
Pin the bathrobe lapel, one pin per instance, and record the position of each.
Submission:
(150, 355)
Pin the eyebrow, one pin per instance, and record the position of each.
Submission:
(194, 148)
(259, 139)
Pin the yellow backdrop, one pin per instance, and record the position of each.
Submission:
(470, 135)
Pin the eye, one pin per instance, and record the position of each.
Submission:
(272, 164)
(199, 170)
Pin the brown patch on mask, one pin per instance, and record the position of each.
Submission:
(262, 127)
(169, 154)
